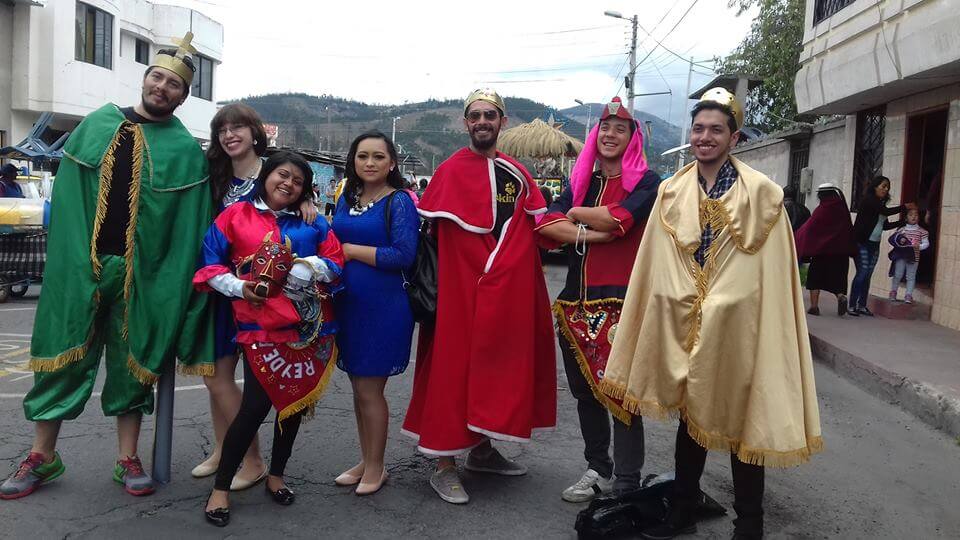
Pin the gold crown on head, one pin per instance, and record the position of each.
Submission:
(724, 97)
(484, 94)
(176, 62)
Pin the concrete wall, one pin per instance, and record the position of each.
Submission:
(47, 78)
(946, 290)
(831, 157)
(6, 65)
(874, 51)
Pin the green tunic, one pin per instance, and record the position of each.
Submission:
(170, 209)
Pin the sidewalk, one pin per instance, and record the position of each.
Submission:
(913, 364)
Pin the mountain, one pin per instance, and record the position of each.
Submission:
(431, 130)
(664, 135)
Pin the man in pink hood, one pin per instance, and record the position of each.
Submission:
(602, 214)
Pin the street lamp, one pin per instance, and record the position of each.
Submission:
(393, 132)
(633, 55)
(586, 127)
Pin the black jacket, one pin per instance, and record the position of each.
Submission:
(871, 208)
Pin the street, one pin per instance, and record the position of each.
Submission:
(883, 474)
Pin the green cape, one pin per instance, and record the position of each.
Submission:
(170, 210)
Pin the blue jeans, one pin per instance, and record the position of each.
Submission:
(866, 262)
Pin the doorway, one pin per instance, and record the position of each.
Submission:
(923, 166)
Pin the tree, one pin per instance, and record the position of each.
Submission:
(772, 51)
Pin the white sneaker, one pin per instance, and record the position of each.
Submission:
(589, 486)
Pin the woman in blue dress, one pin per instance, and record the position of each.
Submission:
(377, 223)
(237, 144)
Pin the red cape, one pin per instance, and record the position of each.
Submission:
(827, 232)
(488, 366)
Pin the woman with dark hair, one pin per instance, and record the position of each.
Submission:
(867, 230)
(278, 272)
(377, 222)
(827, 238)
(237, 144)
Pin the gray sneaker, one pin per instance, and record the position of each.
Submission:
(129, 472)
(32, 473)
(447, 485)
(493, 463)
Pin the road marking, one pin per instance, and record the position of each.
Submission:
(16, 335)
(20, 378)
(16, 352)
(98, 394)
(19, 309)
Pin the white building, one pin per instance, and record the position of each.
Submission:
(892, 67)
(71, 57)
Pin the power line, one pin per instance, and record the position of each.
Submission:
(659, 44)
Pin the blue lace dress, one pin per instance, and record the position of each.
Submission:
(224, 327)
(376, 324)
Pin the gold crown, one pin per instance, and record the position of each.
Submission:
(485, 94)
(176, 62)
(724, 97)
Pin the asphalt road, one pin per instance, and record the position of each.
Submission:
(884, 474)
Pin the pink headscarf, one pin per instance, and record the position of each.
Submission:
(634, 165)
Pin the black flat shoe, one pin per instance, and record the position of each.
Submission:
(218, 516)
(282, 496)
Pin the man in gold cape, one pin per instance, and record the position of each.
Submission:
(713, 326)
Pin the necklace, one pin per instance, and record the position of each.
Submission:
(358, 209)
(238, 191)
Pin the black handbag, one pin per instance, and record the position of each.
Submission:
(420, 280)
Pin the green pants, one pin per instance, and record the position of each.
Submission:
(62, 394)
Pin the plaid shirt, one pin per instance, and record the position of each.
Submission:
(726, 176)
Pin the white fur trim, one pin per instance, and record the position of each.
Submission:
(463, 224)
(432, 452)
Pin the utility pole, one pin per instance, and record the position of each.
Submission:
(633, 55)
(586, 126)
(393, 132)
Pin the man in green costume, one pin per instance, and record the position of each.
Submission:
(130, 206)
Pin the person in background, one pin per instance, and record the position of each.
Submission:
(798, 213)
(411, 189)
(329, 198)
(827, 239)
(8, 182)
(868, 229)
(907, 243)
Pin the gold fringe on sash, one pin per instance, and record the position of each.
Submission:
(314, 395)
(618, 412)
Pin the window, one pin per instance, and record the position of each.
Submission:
(824, 9)
(203, 78)
(142, 53)
(868, 155)
(94, 43)
(799, 158)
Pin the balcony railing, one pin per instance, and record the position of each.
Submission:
(824, 9)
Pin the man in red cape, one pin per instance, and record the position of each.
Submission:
(487, 368)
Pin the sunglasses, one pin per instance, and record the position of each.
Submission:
(488, 114)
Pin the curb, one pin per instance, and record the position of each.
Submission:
(920, 399)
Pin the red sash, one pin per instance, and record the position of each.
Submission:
(294, 378)
(589, 327)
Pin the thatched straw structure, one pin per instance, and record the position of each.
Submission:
(538, 139)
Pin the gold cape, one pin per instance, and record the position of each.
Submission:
(724, 346)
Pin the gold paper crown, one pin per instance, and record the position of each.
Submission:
(724, 97)
(176, 62)
(484, 94)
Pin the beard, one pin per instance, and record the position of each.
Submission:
(485, 144)
(159, 111)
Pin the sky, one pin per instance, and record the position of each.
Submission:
(392, 52)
